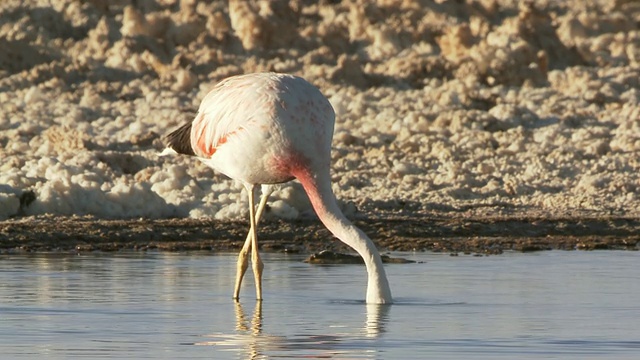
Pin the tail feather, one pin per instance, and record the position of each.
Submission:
(180, 140)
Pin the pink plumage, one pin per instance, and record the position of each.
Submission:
(269, 128)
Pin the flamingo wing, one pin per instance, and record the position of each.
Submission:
(227, 110)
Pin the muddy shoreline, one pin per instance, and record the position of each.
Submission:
(455, 235)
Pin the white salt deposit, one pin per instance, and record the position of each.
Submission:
(517, 109)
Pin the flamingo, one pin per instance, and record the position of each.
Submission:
(264, 129)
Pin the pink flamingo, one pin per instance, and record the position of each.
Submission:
(265, 129)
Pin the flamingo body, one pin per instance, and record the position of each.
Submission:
(244, 127)
(269, 128)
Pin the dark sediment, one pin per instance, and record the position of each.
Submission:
(487, 235)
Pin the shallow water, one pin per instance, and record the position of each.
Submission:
(553, 305)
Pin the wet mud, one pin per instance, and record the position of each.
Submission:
(454, 235)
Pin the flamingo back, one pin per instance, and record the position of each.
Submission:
(260, 128)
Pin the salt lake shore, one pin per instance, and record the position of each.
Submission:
(461, 235)
(464, 127)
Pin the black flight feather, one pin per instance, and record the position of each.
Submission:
(180, 140)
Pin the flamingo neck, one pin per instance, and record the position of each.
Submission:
(318, 188)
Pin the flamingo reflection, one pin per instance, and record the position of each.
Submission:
(250, 340)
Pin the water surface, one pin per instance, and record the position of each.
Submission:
(553, 305)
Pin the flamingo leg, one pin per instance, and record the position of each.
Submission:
(242, 264)
(243, 257)
(256, 263)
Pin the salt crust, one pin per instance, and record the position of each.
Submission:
(488, 106)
